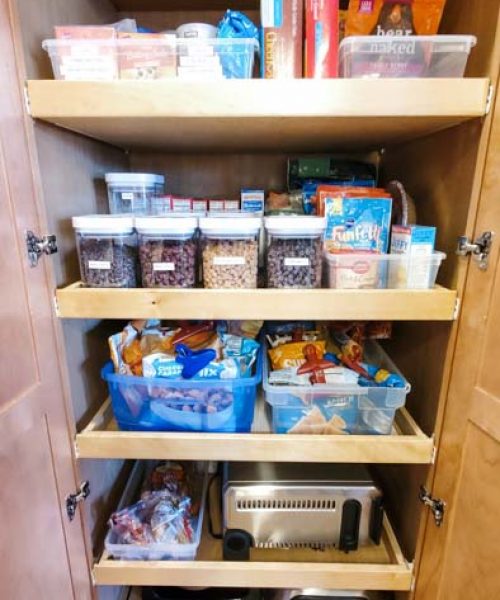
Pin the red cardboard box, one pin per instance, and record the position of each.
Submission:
(322, 38)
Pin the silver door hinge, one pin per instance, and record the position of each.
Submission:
(489, 99)
(436, 505)
(72, 500)
(479, 249)
(36, 246)
(456, 310)
(27, 102)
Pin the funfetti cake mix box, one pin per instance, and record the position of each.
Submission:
(356, 222)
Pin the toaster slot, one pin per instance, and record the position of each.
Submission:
(349, 528)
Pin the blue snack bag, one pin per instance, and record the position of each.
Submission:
(235, 57)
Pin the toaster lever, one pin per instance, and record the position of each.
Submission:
(349, 528)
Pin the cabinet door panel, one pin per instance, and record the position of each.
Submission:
(43, 554)
(460, 559)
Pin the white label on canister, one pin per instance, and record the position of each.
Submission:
(127, 195)
(104, 265)
(164, 266)
(229, 260)
(296, 262)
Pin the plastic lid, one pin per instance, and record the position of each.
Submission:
(104, 223)
(294, 224)
(227, 225)
(179, 224)
(354, 40)
(134, 178)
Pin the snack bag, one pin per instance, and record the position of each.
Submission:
(394, 17)
(292, 355)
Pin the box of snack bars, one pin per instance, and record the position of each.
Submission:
(147, 56)
(282, 25)
(321, 38)
(412, 242)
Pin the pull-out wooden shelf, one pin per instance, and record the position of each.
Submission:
(79, 302)
(254, 114)
(370, 568)
(102, 439)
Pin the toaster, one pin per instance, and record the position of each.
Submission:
(286, 505)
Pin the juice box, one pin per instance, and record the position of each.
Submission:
(253, 201)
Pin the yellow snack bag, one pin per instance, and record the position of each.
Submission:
(292, 355)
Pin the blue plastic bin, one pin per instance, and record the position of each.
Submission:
(333, 409)
(158, 404)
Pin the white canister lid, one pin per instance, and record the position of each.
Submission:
(149, 179)
(230, 225)
(196, 30)
(174, 225)
(298, 225)
(104, 223)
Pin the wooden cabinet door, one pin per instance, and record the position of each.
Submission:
(460, 559)
(43, 555)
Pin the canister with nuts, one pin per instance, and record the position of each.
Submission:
(294, 251)
(107, 250)
(230, 249)
(167, 251)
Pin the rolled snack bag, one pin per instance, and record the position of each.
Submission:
(234, 57)
(381, 378)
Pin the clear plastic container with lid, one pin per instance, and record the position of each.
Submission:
(107, 250)
(167, 251)
(131, 193)
(294, 251)
(230, 250)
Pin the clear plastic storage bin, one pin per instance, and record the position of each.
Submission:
(336, 409)
(230, 251)
(380, 271)
(170, 551)
(167, 251)
(294, 251)
(405, 56)
(107, 250)
(132, 193)
(158, 404)
(152, 58)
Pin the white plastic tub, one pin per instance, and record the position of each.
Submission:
(156, 551)
(333, 409)
(230, 251)
(380, 271)
(152, 58)
(132, 193)
(405, 56)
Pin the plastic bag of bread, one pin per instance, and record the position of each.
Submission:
(394, 17)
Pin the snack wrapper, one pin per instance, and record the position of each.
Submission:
(292, 355)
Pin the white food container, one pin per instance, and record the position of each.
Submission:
(132, 192)
(107, 250)
(230, 249)
(380, 271)
(405, 56)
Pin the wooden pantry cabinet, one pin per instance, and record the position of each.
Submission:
(441, 138)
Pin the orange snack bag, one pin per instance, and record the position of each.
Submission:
(343, 191)
(394, 17)
(292, 355)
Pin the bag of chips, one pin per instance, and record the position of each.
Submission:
(394, 17)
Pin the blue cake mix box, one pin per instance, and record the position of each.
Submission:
(359, 224)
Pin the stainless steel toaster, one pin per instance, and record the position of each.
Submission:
(285, 505)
